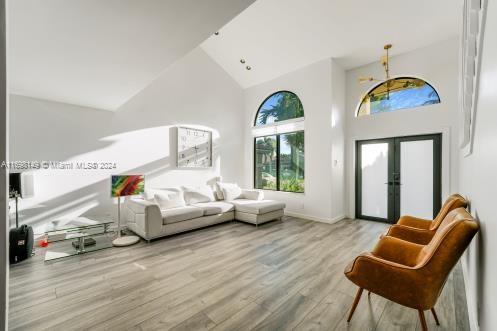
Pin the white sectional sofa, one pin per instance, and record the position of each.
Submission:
(163, 212)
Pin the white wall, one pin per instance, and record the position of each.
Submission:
(438, 65)
(338, 205)
(138, 137)
(478, 183)
(313, 85)
(4, 148)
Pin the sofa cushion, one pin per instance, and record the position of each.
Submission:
(218, 191)
(149, 193)
(257, 207)
(231, 191)
(180, 214)
(215, 207)
(253, 194)
(169, 199)
(198, 194)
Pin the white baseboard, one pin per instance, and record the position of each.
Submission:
(314, 218)
(472, 308)
(338, 218)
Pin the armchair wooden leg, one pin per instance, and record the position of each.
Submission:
(354, 305)
(424, 327)
(435, 316)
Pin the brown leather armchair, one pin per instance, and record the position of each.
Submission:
(421, 231)
(410, 274)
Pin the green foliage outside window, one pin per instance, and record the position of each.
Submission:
(280, 106)
(292, 162)
(265, 163)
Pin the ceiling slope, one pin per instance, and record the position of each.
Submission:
(100, 53)
(278, 36)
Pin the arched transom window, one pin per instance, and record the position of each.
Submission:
(279, 106)
(396, 94)
(279, 143)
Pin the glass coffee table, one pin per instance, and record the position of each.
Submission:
(78, 236)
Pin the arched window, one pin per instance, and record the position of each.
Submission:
(397, 93)
(279, 106)
(279, 143)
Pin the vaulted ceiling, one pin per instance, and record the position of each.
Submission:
(278, 36)
(100, 53)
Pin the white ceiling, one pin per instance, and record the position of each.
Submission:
(100, 53)
(279, 36)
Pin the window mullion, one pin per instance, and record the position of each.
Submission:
(254, 171)
(278, 162)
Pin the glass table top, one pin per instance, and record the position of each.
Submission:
(78, 224)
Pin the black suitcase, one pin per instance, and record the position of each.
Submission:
(20, 243)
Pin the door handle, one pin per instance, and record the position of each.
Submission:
(388, 183)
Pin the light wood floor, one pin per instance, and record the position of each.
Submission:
(283, 275)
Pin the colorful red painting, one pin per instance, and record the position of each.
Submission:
(123, 185)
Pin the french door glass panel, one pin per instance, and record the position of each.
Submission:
(374, 167)
(416, 188)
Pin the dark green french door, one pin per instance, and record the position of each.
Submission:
(398, 176)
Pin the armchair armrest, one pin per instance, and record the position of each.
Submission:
(140, 206)
(253, 194)
(394, 281)
(144, 217)
(414, 235)
(397, 250)
(414, 222)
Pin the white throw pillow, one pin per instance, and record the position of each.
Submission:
(148, 194)
(219, 191)
(231, 191)
(253, 195)
(198, 194)
(169, 199)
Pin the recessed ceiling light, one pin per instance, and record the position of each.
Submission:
(242, 61)
(248, 67)
(216, 33)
